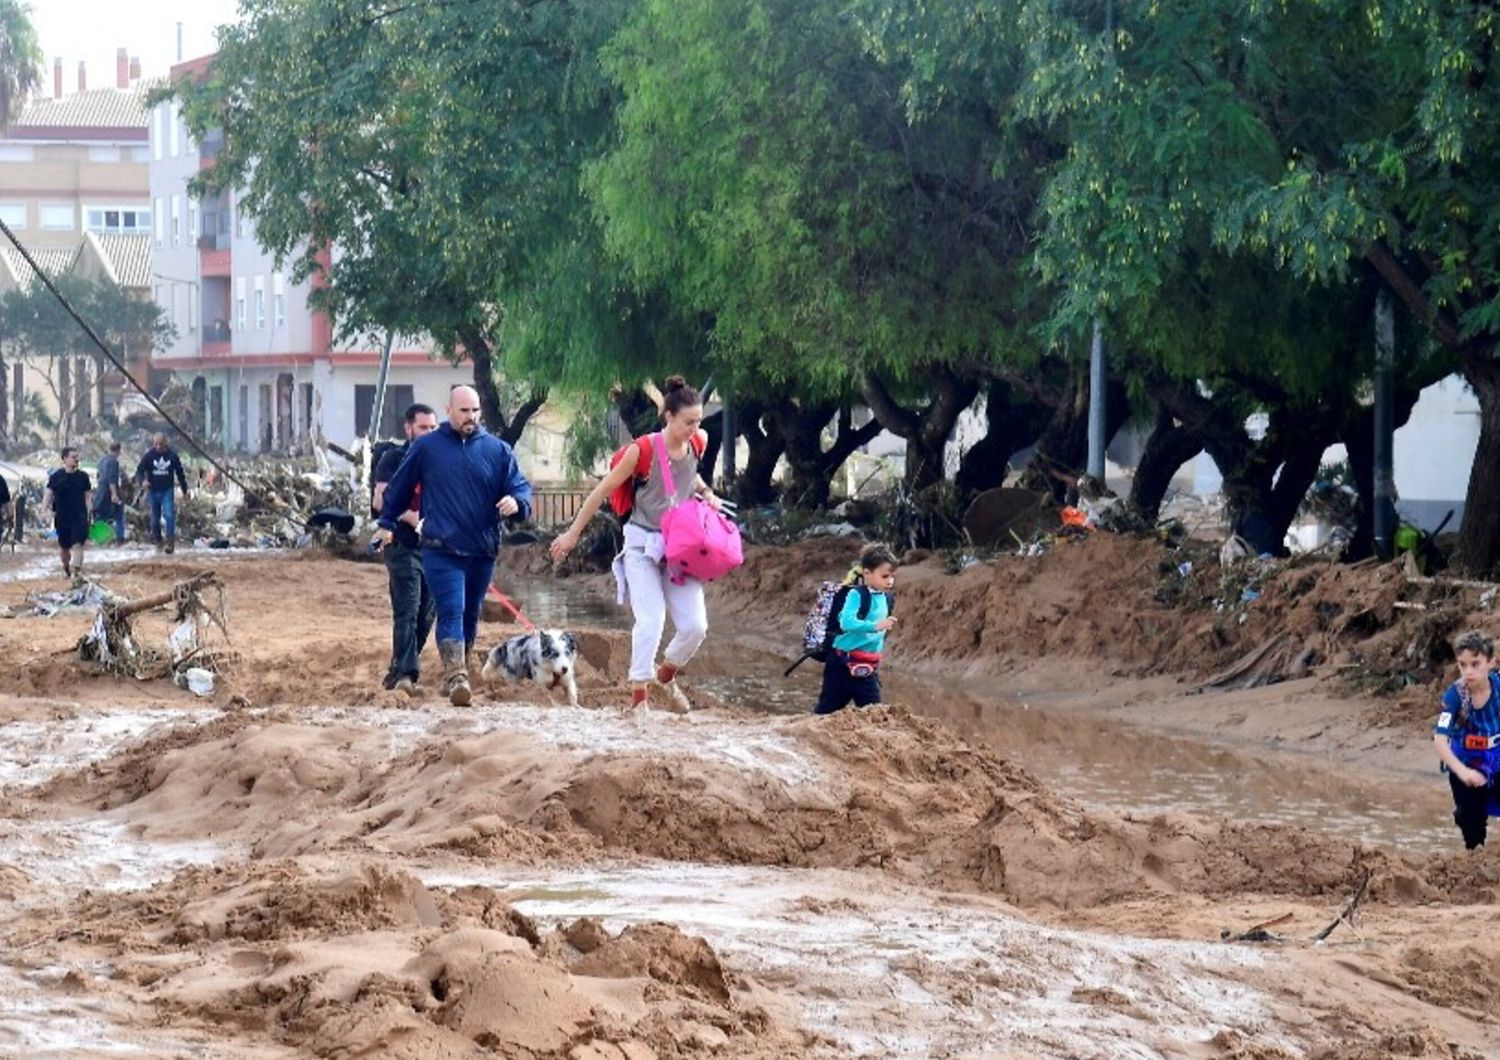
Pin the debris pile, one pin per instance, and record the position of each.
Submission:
(189, 655)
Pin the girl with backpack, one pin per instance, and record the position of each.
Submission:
(851, 670)
(641, 569)
(1467, 736)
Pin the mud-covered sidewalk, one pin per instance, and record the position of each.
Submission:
(305, 865)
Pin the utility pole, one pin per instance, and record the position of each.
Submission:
(1097, 369)
(1385, 415)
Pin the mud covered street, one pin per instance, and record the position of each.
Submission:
(1032, 852)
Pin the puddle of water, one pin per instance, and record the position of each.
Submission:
(71, 854)
(558, 603)
(39, 559)
(32, 752)
(755, 744)
(768, 694)
(42, 1015)
(915, 973)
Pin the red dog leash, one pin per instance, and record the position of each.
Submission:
(505, 602)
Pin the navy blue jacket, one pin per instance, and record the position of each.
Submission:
(462, 481)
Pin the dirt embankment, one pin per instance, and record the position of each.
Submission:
(1138, 607)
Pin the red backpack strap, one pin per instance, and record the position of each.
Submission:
(643, 466)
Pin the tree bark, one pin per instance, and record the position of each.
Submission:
(1012, 422)
(1170, 445)
(926, 432)
(811, 466)
(1358, 435)
(1062, 449)
(491, 406)
(754, 485)
(1479, 534)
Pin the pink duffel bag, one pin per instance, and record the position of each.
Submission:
(700, 542)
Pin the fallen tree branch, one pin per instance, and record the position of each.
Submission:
(1346, 914)
(1258, 932)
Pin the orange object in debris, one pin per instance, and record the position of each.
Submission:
(1075, 517)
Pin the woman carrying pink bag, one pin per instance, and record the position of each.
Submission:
(651, 586)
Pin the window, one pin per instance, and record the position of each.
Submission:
(239, 222)
(140, 154)
(192, 307)
(160, 221)
(239, 301)
(13, 214)
(104, 154)
(17, 153)
(173, 125)
(192, 220)
(59, 218)
(158, 131)
(130, 220)
(397, 398)
(260, 302)
(278, 300)
(156, 295)
(177, 220)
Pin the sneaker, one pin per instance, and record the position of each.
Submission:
(459, 693)
(406, 686)
(677, 702)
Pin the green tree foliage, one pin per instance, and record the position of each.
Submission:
(773, 175)
(20, 58)
(1329, 140)
(436, 148)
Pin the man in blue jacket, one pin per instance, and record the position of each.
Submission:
(470, 482)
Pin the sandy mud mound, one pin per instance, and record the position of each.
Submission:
(369, 960)
(860, 789)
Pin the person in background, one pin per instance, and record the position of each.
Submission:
(68, 496)
(412, 606)
(158, 466)
(109, 504)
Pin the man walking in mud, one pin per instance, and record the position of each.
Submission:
(67, 496)
(470, 481)
(158, 466)
(412, 607)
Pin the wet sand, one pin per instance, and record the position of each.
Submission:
(1029, 863)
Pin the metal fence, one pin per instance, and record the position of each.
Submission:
(552, 508)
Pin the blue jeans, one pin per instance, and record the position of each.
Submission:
(163, 503)
(412, 610)
(458, 585)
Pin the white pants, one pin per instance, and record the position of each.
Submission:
(652, 595)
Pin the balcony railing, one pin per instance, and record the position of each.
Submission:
(216, 332)
(214, 239)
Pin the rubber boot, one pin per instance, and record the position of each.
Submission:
(455, 672)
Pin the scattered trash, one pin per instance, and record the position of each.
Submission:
(196, 680)
(832, 530)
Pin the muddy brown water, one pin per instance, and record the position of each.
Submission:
(1059, 734)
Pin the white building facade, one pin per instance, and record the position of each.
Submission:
(261, 363)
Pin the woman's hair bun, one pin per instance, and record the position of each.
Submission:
(674, 382)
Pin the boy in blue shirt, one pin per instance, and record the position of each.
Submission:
(852, 669)
(1467, 736)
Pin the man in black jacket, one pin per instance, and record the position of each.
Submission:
(412, 606)
(158, 466)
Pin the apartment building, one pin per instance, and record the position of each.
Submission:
(74, 188)
(261, 362)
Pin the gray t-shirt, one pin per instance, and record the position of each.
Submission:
(651, 495)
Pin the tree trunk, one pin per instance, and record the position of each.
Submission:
(714, 426)
(926, 432)
(1479, 534)
(1011, 423)
(491, 406)
(1170, 445)
(812, 467)
(754, 484)
(1265, 481)
(4, 402)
